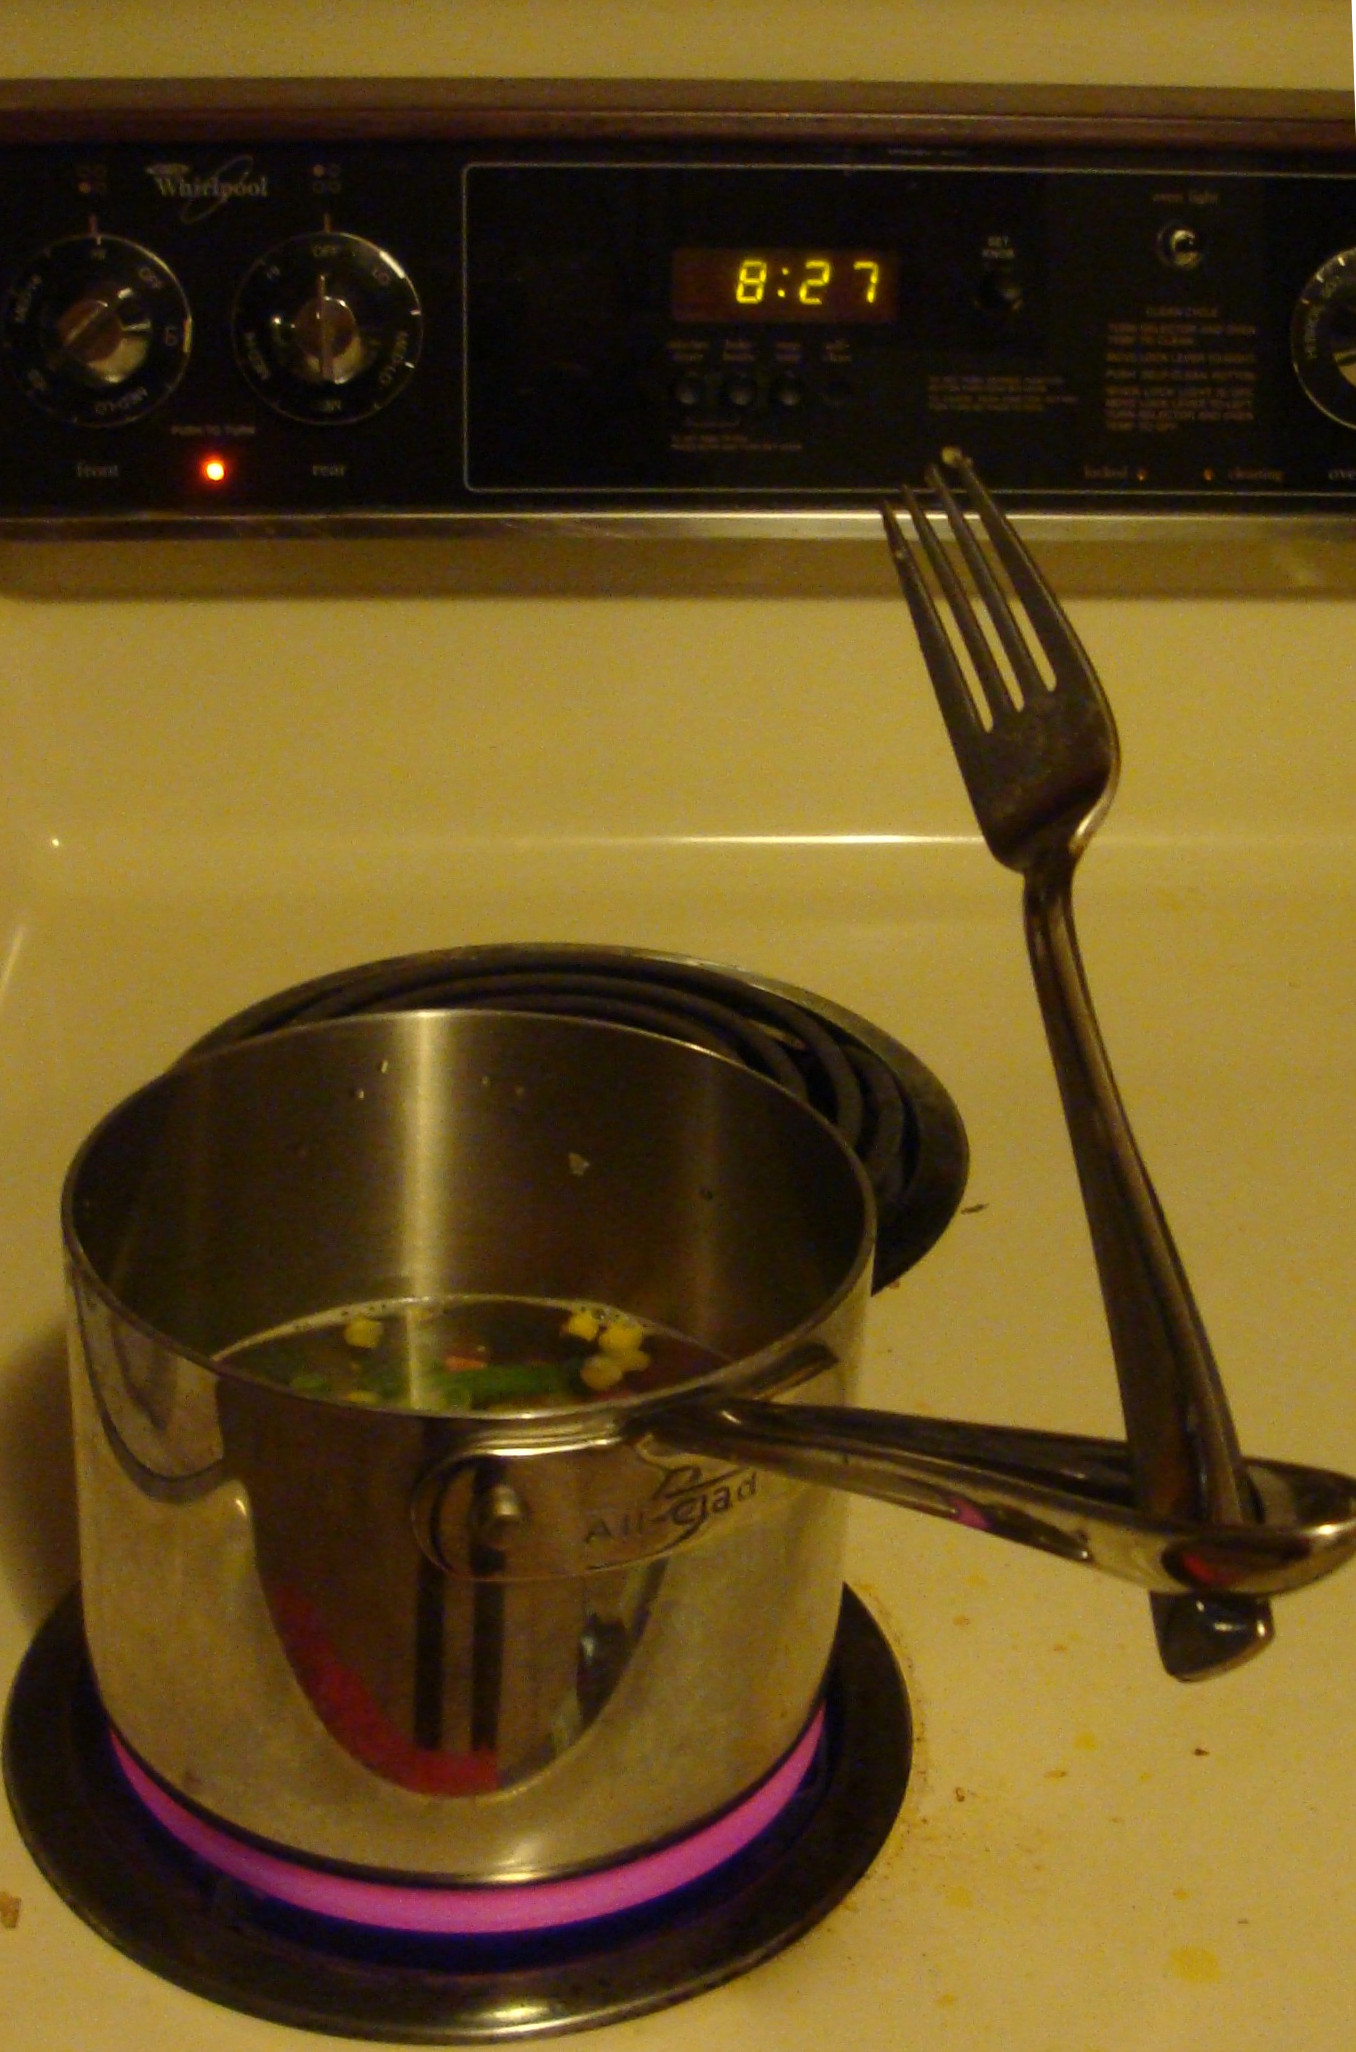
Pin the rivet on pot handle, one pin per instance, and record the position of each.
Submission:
(513, 1509)
(467, 1514)
(1060, 1493)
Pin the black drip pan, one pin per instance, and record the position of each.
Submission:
(109, 1860)
(889, 1108)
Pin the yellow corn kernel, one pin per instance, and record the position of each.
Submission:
(601, 1372)
(631, 1361)
(623, 1336)
(364, 1333)
(581, 1324)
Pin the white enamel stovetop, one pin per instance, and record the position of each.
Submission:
(204, 800)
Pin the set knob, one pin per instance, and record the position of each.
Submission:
(1323, 337)
(97, 330)
(327, 328)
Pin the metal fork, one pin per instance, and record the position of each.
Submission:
(1040, 765)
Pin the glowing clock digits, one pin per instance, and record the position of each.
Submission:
(828, 286)
(752, 282)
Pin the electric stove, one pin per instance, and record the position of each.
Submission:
(229, 778)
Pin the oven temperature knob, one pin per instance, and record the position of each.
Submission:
(1323, 337)
(327, 328)
(97, 331)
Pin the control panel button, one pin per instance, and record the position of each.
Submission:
(97, 330)
(689, 391)
(327, 328)
(740, 390)
(834, 387)
(787, 391)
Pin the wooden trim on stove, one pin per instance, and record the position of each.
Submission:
(1250, 121)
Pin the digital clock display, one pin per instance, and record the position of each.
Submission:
(830, 285)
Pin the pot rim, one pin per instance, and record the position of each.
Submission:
(784, 1362)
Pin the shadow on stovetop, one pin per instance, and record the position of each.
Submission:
(39, 1545)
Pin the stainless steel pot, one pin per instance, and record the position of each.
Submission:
(478, 1647)
(488, 1647)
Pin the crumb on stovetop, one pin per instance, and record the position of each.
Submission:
(10, 1906)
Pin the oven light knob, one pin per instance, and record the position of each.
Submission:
(97, 331)
(1323, 338)
(327, 328)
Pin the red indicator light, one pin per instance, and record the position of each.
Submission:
(213, 470)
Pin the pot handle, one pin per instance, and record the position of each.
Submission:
(1059, 1492)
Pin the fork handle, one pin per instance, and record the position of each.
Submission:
(1183, 1445)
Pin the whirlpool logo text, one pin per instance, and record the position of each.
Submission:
(202, 192)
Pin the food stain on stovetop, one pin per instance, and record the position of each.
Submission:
(10, 1907)
(1195, 1963)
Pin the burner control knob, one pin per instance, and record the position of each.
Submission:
(97, 330)
(1323, 337)
(327, 328)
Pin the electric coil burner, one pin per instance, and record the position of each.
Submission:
(109, 1854)
(388, 1956)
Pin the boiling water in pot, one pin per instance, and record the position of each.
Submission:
(472, 1353)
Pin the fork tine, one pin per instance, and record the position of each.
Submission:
(1029, 679)
(996, 693)
(1053, 628)
(948, 679)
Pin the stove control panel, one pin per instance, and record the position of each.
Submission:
(315, 332)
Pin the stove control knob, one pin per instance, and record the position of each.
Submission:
(1323, 338)
(97, 331)
(327, 328)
